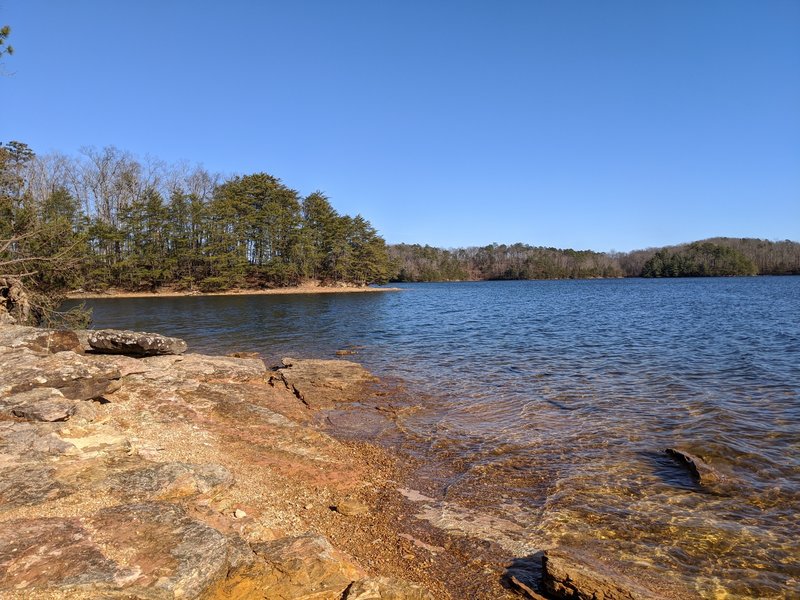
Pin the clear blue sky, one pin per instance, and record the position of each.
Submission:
(603, 125)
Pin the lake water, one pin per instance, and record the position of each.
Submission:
(551, 402)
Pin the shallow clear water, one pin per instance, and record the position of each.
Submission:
(551, 402)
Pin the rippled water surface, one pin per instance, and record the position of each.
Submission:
(551, 402)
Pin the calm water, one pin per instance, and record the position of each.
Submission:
(551, 403)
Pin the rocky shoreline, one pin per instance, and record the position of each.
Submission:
(129, 469)
(305, 288)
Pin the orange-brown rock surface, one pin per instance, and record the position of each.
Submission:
(178, 477)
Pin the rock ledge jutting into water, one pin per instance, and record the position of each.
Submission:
(115, 341)
(209, 477)
(570, 575)
(171, 477)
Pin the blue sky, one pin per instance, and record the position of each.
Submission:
(602, 125)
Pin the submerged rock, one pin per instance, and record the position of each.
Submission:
(115, 341)
(570, 575)
(702, 471)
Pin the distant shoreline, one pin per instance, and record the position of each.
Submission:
(299, 289)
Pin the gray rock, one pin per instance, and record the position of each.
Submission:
(76, 376)
(115, 341)
(28, 485)
(22, 441)
(40, 340)
(164, 481)
(33, 396)
(45, 410)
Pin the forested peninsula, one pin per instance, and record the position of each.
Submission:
(107, 220)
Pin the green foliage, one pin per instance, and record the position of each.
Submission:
(41, 244)
(714, 257)
(123, 225)
(248, 231)
(5, 47)
(699, 259)
(214, 284)
(497, 261)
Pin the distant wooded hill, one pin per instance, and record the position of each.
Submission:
(107, 219)
(712, 257)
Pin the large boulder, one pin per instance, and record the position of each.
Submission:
(134, 343)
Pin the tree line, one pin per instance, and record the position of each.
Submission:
(107, 219)
(712, 257)
(141, 224)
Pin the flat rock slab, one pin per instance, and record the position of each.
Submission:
(305, 566)
(169, 481)
(49, 410)
(29, 442)
(29, 485)
(36, 395)
(76, 376)
(134, 343)
(323, 383)
(40, 340)
(150, 550)
(386, 588)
